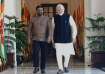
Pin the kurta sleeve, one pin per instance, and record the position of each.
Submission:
(74, 28)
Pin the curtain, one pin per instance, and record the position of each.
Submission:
(2, 50)
(78, 15)
(25, 14)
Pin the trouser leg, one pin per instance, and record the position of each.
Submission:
(35, 53)
(59, 59)
(66, 60)
(43, 55)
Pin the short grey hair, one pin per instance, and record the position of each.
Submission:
(60, 5)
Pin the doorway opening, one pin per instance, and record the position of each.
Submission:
(28, 10)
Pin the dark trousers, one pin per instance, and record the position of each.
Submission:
(39, 54)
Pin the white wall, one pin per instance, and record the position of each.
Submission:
(87, 13)
(18, 8)
(9, 7)
(92, 7)
(98, 6)
(12, 8)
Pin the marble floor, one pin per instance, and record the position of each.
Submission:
(53, 70)
(75, 67)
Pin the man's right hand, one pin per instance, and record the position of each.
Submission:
(50, 40)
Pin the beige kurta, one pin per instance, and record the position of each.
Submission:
(38, 28)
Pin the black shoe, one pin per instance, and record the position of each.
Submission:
(43, 71)
(36, 70)
(66, 70)
(60, 72)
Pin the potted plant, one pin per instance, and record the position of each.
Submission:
(15, 33)
(97, 41)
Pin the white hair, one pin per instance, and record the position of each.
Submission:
(60, 6)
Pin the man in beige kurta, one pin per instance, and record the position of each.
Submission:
(40, 32)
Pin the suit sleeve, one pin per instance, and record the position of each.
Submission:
(51, 27)
(29, 30)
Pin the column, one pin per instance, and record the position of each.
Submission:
(13, 8)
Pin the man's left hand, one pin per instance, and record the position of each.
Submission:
(50, 40)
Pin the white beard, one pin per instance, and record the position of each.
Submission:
(61, 13)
